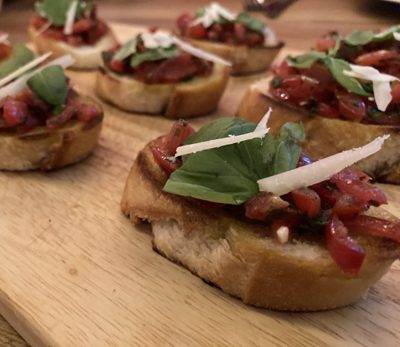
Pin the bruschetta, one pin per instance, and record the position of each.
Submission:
(240, 38)
(71, 27)
(156, 73)
(44, 123)
(342, 105)
(250, 213)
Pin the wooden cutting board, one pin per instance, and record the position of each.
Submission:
(74, 272)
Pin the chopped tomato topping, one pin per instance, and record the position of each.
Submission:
(346, 207)
(196, 31)
(307, 201)
(351, 107)
(344, 250)
(259, 207)
(375, 58)
(5, 51)
(325, 43)
(14, 112)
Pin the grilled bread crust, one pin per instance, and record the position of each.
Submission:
(242, 257)
(327, 136)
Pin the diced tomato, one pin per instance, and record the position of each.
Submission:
(87, 112)
(196, 31)
(82, 25)
(363, 192)
(64, 116)
(259, 206)
(325, 43)
(375, 227)
(240, 32)
(117, 66)
(183, 22)
(346, 207)
(5, 50)
(395, 94)
(167, 165)
(284, 70)
(375, 58)
(319, 72)
(297, 88)
(352, 107)
(328, 194)
(176, 137)
(328, 111)
(307, 201)
(344, 250)
(14, 112)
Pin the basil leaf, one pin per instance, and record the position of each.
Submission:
(56, 11)
(155, 54)
(126, 50)
(20, 56)
(50, 84)
(357, 38)
(336, 67)
(305, 60)
(229, 174)
(387, 34)
(200, 12)
(250, 22)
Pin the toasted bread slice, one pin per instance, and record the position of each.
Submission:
(46, 149)
(239, 258)
(326, 136)
(245, 60)
(196, 97)
(86, 57)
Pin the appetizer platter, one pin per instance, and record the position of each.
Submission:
(76, 272)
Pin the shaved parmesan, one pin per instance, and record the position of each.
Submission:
(19, 84)
(262, 124)
(380, 83)
(318, 171)
(200, 53)
(70, 17)
(270, 37)
(212, 14)
(24, 68)
(283, 234)
(157, 39)
(225, 141)
(396, 36)
(4, 38)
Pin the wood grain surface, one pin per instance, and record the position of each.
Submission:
(76, 273)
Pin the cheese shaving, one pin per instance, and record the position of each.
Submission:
(24, 69)
(70, 17)
(270, 37)
(158, 39)
(283, 234)
(380, 83)
(200, 53)
(4, 38)
(19, 84)
(225, 141)
(262, 124)
(396, 36)
(318, 171)
(212, 14)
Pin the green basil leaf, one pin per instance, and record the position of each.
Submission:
(56, 11)
(250, 22)
(387, 34)
(20, 56)
(336, 67)
(155, 54)
(200, 12)
(126, 50)
(229, 174)
(357, 38)
(305, 60)
(50, 84)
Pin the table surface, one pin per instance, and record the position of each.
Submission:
(298, 26)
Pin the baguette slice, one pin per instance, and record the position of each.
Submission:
(46, 149)
(196, 97)
(245, 60)
(326, 136)
(86, 57)
(239, 258)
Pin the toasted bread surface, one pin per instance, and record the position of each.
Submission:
(245, 60)
(196, 97)
(86, 57)
(46, 149)
(241, 257)
(327, 136)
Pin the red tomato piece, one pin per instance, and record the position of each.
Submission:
(325, 43)
(183, 22)
(328, 111)
(347, 208)
(344, 250)
(82, 25)
(14, 112)
(307, 201)
(176, 137)
(259, 207)
(327, 194)
(352, 107)
(375, 58)
(87, 112)
(284, 70)
(117, 66)
(196, 31)
(375, 227)
(168, 166)
(395, 94)
(5, 50)
(298, 88)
